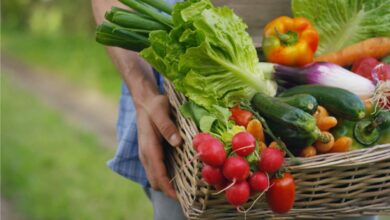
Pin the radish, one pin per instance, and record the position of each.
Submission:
(199, 138)
(236, 169)
(271, 160)
(212, 175)
(238, 194)
(259, 181)
(212, 152)
(243, 143)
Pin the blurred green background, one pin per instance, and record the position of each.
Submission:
(52, 168)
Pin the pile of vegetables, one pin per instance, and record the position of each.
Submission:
(252, 114)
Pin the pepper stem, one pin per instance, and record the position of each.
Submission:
(289, 38)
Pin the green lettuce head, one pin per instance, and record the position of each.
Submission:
(208, 56)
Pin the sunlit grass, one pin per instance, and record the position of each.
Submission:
(76, 57)
(54, 170)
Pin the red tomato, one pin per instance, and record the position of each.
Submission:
(240, 116)
(281, 194)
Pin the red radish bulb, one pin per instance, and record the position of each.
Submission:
(199, 138)
(212, 152)
(212, 175)
(271, 160)
(236, 168)
(238, 194)
(259, 181)
(364, 66)
(243, 143)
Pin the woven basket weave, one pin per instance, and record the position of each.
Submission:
(327, 186)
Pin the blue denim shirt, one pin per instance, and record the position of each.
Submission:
(126, 161)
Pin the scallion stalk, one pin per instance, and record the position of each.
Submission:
(159, 4)
(132, 20)
(112, 35)
(149, 10)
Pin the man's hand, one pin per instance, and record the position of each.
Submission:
(152, 109)
(154, 123)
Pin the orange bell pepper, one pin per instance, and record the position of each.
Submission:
(290, 41)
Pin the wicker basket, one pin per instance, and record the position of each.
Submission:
(332, 185)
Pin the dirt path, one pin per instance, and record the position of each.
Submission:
(8, 212)
(85, 108)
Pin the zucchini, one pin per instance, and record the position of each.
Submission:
(340, 102)
(304, 102)
(293, 139)
(284, 120)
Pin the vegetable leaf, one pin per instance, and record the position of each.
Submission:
(208, 55)
(215, 121)
(341, 23)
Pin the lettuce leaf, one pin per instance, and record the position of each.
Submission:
(341, 23)
(208, 55)
(215, 121)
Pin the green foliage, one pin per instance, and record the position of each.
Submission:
(62, 16)
(53, 170)
(341, 23)
(208, 55)
(77, 57)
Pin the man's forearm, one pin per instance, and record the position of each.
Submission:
(137, 74)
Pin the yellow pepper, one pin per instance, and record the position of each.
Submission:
(290, 41)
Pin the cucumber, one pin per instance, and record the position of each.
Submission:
(340, 102)
(304, 102)
(285, 120)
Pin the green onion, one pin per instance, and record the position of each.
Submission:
(113, 35)
(149, 10)
(116, 9)
(132, 20)
(159, 4)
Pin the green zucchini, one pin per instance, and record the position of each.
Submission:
(339, 102)
(304, 102)
(293, 138)
(285, 120)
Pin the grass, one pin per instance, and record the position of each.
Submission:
(77, 57)
(54, 170)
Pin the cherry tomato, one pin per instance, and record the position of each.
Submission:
(240, 116)
(281, 194)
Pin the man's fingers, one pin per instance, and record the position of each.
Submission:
(160, 117)
(158, 178)
(167, 187)
(167, 129)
